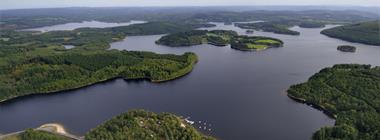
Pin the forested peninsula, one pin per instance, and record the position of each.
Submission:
(219, 38)
(133, 125)
(280, 27)
(37, 63)
(364, 32)
(348, 92)
(139, 124)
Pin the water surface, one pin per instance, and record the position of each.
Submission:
(92, 24)
(240, 95)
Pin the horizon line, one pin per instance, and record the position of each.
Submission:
(174, 6)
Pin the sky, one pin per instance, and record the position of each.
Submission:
(21, 4)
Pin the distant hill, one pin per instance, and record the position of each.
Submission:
(365, 32)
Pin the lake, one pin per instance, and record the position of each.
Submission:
(91, 24)
(236, 94)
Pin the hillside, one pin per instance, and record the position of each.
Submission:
(348, 92)
(145, 125)
(365, 32)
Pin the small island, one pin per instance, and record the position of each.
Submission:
(275, 27)
(346, 48)
(219, 38)
(197, 37)
(249, 31)
(254, 43)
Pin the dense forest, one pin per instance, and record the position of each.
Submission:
(365, 32)
(311, 24)
(348, 92)
(133, 125)
(44, 74)
(197, 37)
(254, 43)
(139, 124)
(346, 48)
(219, 38)
(275, 27)
(35, 62)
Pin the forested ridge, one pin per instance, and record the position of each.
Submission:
(31, 18)
(348, 92)
(44, 74)
(279, 27)
(197, 37)
(364, 32)
(35, 62)
(139, 124)
(219, 38)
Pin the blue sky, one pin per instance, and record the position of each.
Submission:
(18, 4)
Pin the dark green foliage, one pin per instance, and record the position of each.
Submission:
(351, 94)
(34, 62)
(274, 27)
(44, 74)
(365, 32)
(144, 125)
(90, 38)
(219, 38)
(311, 24)
(31, 134)
(346, 48)
(242, 42)
(194, 37)
(197, 37)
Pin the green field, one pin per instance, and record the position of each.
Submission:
(256, 46)
(267, 41)
(252, 43)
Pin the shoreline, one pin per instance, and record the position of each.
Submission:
(256, 50)
(313, 105)
(15, 98)
(52, 128)
(55, 127)
(351, 41)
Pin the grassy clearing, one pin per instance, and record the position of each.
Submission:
(267, 41)
(256, 46)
